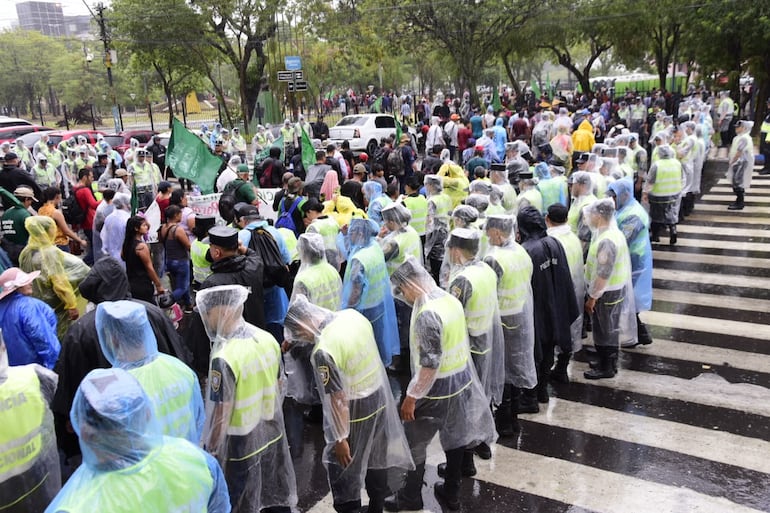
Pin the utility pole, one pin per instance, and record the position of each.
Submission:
(103, 35)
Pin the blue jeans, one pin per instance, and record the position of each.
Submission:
(89, 258)
(180, 279)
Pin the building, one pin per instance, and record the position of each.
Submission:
(44, 17)
(78, 26)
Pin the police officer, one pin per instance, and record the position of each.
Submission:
(127, 341)
(399, 240)
(513, 270)
(663, 191)
(201, 267)
(30, 475)
(417, 205)
(741, 162)
(128, 465)
(444, 382)
(244, 427)
(437, 224)
(144, 177)
(364, 437)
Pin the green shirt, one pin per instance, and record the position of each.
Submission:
(13, 225)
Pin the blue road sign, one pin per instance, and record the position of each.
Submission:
(292, 62)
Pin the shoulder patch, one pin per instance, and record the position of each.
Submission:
(323, 371)
(216, 380)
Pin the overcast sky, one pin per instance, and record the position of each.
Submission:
(70, 7)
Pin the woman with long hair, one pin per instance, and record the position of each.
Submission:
(136, 254)
(177, 246)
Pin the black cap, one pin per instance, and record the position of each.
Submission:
(583, 157)
(245, 210)
(557, 213)
(204, 223)
(10, 156)
(312, 204)
(222, 236)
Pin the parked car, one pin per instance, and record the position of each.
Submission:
(120, 142)
(11, 133)
(58, 136)
(364, 131)
(6, 121)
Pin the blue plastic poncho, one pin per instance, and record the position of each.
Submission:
(29, 326)
(128, 465)
(366, 288)
(376, 200)
(501, 137)
(128, 342)
(634, 222)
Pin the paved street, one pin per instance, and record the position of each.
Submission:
(684, 427)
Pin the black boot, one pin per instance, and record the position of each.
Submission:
(408, 498)
(738, 205)
(503, 419)
(643, 335)
(448, 492)
(672, 234)
(559, 371)
(654, 232)
(467, 469)
(528, 401)
(605, 367)
(542, 387)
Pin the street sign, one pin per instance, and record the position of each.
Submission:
(292, 62)
(299, 85)
(288, 76)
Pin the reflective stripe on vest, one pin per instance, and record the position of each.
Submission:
(349, 340)
(478, 314)
(513, 287)
(637, 246)
(189, 491)
(22, 410)
(172, 398)
(322, 283)
(418, 206)
(376, 275)
(668, 178)
(201, 266)
(454, 346)
(290, 239)
(408, 245)
(142, 173)
(255, 363)
(621, 268)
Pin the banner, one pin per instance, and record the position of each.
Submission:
(208, 204)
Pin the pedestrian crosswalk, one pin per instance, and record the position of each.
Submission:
(685, 425)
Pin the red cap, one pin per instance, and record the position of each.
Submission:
(363, 157)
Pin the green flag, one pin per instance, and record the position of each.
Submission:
(535, 87)
(308, 152)
(377, 105)
(13, 200)
(189, 157)
(398, 129)
(262, 155)
(496, 104)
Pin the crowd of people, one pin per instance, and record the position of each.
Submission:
(446, 271)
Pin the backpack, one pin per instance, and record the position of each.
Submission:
(266, 180)
(285, 219)
(396, 162)
(228, 200)
(381, 156)
(73, 212)
(275, 273)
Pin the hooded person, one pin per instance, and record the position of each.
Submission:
(444, 394)
(583, 137)
(127, 341)
(474, 284)
(320, 283)
(741, 162)
(365, 286)
(437, 224)
(634, 222)
(513, 270)
(554, 311)
(400, 241)
(365, 442)
(128, 465)
(453, 179)
(114, 229)
(31, 475)
(582, 195)
(375, 200)
(328, 229)
(552, 185)
(81, 351)
(244, 427)
(60, 272)
(496, 195)
(663, 192)
(27, 323)
(610, 299)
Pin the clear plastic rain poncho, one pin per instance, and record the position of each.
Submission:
(496, 195)
(328, 228)
(464, 216)
(444, 380)
(365, 287)
(582, 195)
(244, 427)
(665, 208)
(128, 342)
(128, 465)
(376, 200)
(608, 278)
(30, 475)
(60, 272)
(401, 241)
(357, 401)
(634, 222)
(513, 268)
(437, 225)
(499, 177)
(741, 157)
(480, 187)
(321, 284)
(474, 284)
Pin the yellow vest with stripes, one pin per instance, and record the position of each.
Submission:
(418, 206)
(408, 245)
(513, 286)
(478, 314)
(322, 283)
(668, 178)
(455, 351)
(376, 272)
(201, 266)
(290, 239)
(621, 268)
(22, 412)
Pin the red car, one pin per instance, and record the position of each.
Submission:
(122, 141)
(58, 136)
(11, 133)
